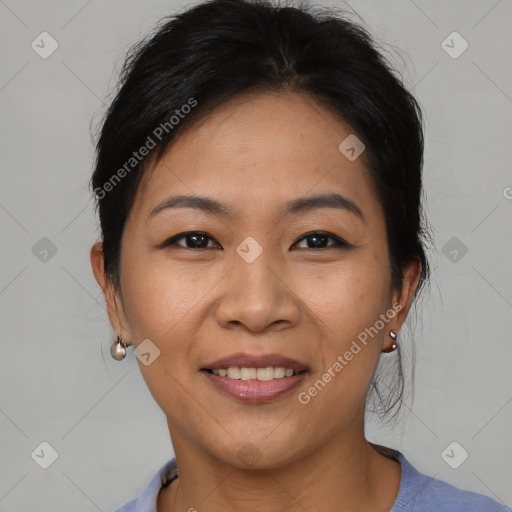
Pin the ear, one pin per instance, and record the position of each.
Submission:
(405, 295)
(113, 300)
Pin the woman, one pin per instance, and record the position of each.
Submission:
(258, 181)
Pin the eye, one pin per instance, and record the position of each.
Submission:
(319, 240)
(193, 240)
(199, 240)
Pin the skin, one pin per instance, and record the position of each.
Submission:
(197, 305)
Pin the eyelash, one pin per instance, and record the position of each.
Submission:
(339, 243)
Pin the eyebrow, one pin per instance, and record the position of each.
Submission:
(293, 207)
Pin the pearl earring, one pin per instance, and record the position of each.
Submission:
(118, 349)
(394, 345)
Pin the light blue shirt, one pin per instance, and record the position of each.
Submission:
(418, 493)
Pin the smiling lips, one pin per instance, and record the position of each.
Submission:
(255, 378)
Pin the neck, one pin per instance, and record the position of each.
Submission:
(345, 475)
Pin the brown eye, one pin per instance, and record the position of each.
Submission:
(193, 240)
(319, 240)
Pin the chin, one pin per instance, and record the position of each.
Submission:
(245, 452)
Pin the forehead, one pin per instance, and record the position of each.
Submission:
(260, 149)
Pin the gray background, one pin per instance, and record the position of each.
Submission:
(57, 381)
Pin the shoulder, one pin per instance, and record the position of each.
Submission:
(446, 497)
(422, 493)
(128, 507)
(146, 500)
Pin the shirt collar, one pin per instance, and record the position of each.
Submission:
(146, 501)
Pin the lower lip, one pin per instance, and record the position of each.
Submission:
(255, 390)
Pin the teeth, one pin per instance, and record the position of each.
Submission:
(234, 372)
(279, 372)
(263, 374)
(247, 373)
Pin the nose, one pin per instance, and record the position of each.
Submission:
(257, 297)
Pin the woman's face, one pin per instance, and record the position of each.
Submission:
(255, 284)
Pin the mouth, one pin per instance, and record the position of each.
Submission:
(255, 378)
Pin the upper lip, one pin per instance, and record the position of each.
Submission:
(251, 361)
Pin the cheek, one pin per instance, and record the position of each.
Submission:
(349, 297)
(348, 303)
(163, 298)
(163, 304)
